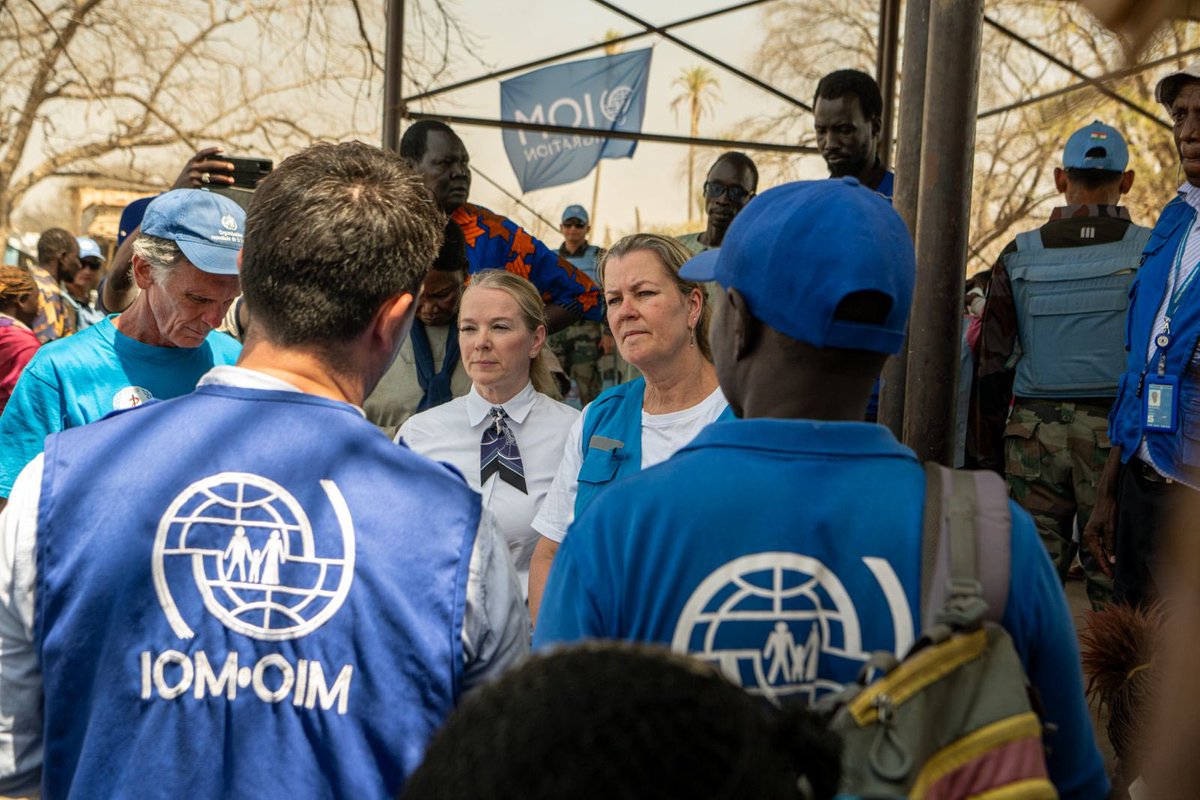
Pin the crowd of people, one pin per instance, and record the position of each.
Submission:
(291, 491)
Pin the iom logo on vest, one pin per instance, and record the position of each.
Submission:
(248, 549)
(780, 623)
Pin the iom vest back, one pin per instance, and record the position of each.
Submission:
(1071, 305)
(245, 593)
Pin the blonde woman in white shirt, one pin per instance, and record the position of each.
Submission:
(506, 435)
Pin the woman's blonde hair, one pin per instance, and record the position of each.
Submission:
(672, 255)
(533, 312)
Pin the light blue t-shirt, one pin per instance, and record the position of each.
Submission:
(790, 554)
(81, 378)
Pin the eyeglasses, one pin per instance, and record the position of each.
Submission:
(736, 194)
(574, 224)
(93, 265)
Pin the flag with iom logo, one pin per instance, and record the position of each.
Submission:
(607, 93)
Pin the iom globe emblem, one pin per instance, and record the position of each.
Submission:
(769, 621)
(254, 557)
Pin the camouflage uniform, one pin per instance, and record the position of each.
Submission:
(578, 349)
(1054, 452)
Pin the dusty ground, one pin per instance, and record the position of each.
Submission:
(1077, 597)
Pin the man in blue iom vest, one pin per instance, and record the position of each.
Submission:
(754, 547)
(275, 601)
(1052, 347)
(1155, 423)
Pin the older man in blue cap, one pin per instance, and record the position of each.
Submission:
(1052, 347)
(786, 546)
(186, 264)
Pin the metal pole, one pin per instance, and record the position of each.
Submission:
(393, 77)
(908, 176)
(456, 119)
(943, 221)
(885, 72)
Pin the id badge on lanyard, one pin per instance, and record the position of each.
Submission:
(1159, 403)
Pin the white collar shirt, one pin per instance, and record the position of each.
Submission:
(452, 432)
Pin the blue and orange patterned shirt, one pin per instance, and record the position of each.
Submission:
(496, 242)
(55, 319)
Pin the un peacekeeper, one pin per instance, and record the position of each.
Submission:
(1154, 425)
(578, 347)
(818, 278)
(1052, 346)
(277, 601)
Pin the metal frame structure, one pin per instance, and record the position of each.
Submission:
(933, 158)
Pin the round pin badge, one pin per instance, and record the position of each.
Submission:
(1162, 340)
(130, 397)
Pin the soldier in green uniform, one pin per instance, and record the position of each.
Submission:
(1052, 348)
(578, 346)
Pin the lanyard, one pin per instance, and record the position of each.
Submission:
(1163, 340)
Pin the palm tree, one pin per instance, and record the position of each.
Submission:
(699, 89)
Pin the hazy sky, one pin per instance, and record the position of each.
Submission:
(514, 31)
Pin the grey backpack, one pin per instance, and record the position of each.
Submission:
(954, 718)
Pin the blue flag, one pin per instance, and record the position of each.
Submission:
(607, 92)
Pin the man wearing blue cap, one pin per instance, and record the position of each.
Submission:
(785, 546)
(186, 264)
(578, 346)
(79, 291)
(1052, 347)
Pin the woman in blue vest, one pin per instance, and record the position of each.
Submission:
(505, 435)
(660, 323)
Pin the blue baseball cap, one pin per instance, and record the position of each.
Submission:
(1106, 145)
(796, 251)
(575, 212)
(131, 217)
(206, 226)
(88, 248)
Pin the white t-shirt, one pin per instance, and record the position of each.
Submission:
(452, 432)
(662, 436)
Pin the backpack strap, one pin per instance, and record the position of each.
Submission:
(966, 541)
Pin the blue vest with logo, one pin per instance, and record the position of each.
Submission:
(1175, 454)
(612, 439)
(1070, 304)
(586, 261)
(245, 593)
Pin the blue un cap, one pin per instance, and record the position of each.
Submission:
(575, 212)
(88, 248)
(1105, 144)
(206, 226)
(796, 251)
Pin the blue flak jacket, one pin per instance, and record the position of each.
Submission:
(1177, 455)
(268, 603)
(784, 552)
(615, 417)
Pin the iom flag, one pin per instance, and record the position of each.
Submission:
(607, 92)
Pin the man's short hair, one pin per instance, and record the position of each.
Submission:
(331, 234)
(1093, 178)
(741, 161)
(163, 255)
(856, 82)
(415, 140)
(453, 255)
(52, 243)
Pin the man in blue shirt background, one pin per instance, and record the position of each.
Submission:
(785, 547)
(186, 263)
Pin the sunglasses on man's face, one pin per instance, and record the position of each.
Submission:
(574, 224)
(736, 194)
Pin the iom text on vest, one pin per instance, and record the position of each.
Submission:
(171, 674)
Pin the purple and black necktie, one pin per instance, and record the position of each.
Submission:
(498, 453)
